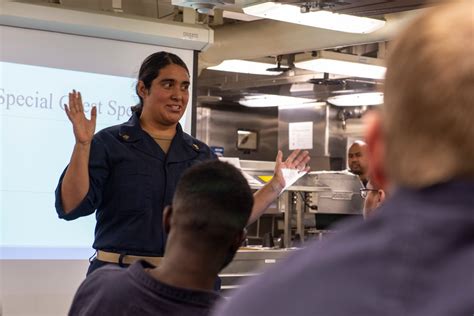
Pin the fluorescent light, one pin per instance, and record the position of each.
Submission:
(239, 16)
(245, 66)
(301, 87)
(271, 100)
(321, 19)
(343, 68)
(357, 99)
(344, 91)
(314, 105)
(242, 132)
(344, 64)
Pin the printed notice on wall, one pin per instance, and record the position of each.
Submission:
(301, 135)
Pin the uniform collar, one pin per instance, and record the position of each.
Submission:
(183, 147)
(459, 191)
(201, 298)
(131, 131)
(443, 198)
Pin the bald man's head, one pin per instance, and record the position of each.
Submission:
(428, 101)
(357, 159)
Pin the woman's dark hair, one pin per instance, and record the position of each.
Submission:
(150, 69)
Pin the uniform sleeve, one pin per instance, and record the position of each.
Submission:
(209, 153)
(212, 156)
(98, 173)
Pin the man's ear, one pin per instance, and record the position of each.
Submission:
(375, 149)
(167, 214)
(239, 239)
(381, 197)
(141, 89)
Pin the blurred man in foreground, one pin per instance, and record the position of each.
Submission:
(416, 256)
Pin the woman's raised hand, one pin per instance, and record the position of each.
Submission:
(296, 160)
(83, 128)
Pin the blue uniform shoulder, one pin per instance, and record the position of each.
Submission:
(197, 145)
(109, 131)
(117, 132)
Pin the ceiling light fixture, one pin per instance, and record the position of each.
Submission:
(301, 87)
(344, 91)
(245, 66)
(357, 99)
(321, 18)
(314, 105)
(345, 64)
(271, 100)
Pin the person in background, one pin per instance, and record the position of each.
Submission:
(129, 172)
(205, 227)
(357, 160)
(416, 256)
(373, 198)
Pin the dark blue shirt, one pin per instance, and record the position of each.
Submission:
(131, 181)
(115, 291)
(414, 257)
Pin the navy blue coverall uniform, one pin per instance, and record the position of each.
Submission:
(131, 181)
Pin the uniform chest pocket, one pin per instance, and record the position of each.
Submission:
(133, 188)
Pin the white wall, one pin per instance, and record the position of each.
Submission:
(39, 287)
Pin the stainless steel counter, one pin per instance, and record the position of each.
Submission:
(249, 262)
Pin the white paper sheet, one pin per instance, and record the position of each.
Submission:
(291, 176)
(300, 135)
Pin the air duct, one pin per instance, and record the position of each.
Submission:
(271, 38)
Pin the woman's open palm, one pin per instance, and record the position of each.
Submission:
(83, 128)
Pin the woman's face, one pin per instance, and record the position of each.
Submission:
(166, 100)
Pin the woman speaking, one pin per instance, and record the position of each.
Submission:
(129, 172)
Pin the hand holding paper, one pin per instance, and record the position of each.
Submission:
(291, 176)
(293, 168)
(296, 162)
